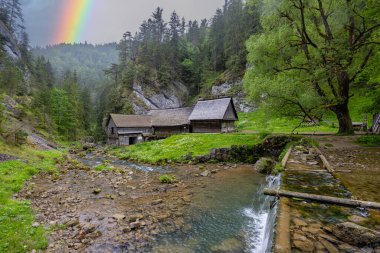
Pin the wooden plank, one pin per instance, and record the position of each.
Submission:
(323, 199)
(286, 157)
(326, 164)
(282, 238)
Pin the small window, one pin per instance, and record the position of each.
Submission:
(112, 130)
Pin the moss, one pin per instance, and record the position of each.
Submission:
(167, 179)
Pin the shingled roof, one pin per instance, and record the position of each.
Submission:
(214, 109)
(171, 117)
(131, 120)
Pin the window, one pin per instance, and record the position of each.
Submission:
(112, 130)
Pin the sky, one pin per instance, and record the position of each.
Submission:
(106, 20)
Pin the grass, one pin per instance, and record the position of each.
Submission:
(372, 140)
(177, 147)
(16, 217)
(167, 179)
(259, 121)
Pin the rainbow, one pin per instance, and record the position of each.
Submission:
(72, 21)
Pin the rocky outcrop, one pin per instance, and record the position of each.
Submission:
(11, 45)
(265, 165)
(146, 98)
(234, 90)
(357, 235)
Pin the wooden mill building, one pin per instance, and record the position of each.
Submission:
(124, 130)
(214, 116)
(171, 121)
(207, 116)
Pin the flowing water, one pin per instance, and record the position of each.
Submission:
(231, 215)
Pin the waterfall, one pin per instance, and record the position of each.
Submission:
(262, 217)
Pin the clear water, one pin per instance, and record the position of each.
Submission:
(229, 211)
(92, 161)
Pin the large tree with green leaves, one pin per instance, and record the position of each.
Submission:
(310, 53)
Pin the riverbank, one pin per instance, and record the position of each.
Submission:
(126, 208)
(310, 227)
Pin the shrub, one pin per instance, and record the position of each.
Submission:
(372, 140)
(20, 137)
(167, 179)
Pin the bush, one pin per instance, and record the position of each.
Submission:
(167, 179)
(20, 137)
(372, 140)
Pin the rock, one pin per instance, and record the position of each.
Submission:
(265, 165)
(299, 222)
(135, 225)
(157, 201)
(97, 191)
(329, 246)
(304, 245)
(88, 146)
(345, 247)
(135, 217)
(205, 173)
(230, 245)
(35, 224)
(356, 235)
(118, 216)
(356, 219)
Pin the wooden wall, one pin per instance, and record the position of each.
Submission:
(168, 130)
(211, 126)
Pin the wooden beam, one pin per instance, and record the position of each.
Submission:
(323, 199)
(286, 157)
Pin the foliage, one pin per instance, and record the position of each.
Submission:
(301, 62)
(103, 167)
(167, 179)
(175, 148)
(369, 140)
(89, 61)
(16, 217)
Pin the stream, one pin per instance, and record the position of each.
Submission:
(230, 214)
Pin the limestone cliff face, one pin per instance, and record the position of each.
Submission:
(11, 45)
(145, 98)
(235, 90)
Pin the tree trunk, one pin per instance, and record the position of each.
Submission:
(341, 109)
(344, 119)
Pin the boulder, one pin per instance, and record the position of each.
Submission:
(356, 235)
(205, 173)
(265, 165)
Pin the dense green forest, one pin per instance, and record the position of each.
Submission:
(301, 56)
(89, 61)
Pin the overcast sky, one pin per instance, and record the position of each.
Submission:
(110, 18)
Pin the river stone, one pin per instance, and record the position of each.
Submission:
(118, 216)
(356, 235)
(205, 173)
(299, 222)
(304, 245)
(329, 246)
(230, 245)
(356, 219)
(265, 165)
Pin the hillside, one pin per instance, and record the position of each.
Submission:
(87, 60)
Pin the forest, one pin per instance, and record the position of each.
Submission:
(299, 56)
